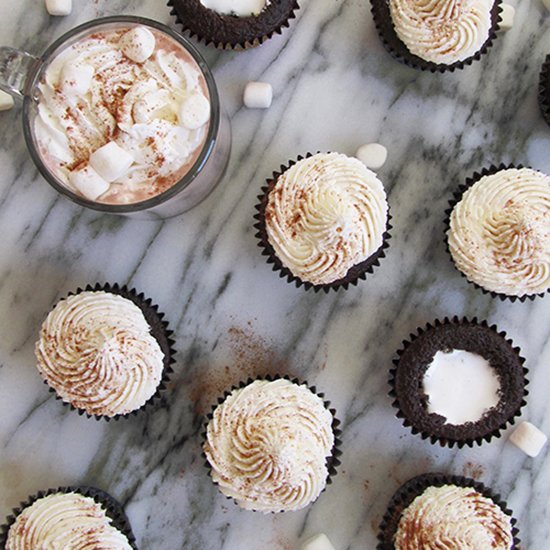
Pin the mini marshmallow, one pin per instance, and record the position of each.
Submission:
(258, 95)
(59, 7)
(111, 161)
(529, 439)
(6, 101)
(372, 155)
(88, 182)
(317, 542)
(76, 78)
(138, 44)
(194, 112)
(507, 15)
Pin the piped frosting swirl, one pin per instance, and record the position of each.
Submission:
(325, 214)
(65, 520)
(499, 234)
(268, 444)
(453, 517)
(96, 351)
(442, 31)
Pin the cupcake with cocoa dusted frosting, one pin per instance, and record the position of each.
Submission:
(499, 231)
(105, 350)
(323, 221)
(271, 445)
(440, 511)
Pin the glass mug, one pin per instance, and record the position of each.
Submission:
(21, 74)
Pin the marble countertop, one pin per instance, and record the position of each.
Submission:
(335, 87)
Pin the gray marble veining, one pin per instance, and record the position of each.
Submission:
(335, 88)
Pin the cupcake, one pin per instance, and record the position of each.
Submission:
(439, 511)
(105, 351)
(68, 517)
(323, 221)
(544, 90)
(438, 36)
(499, 231)
(271, 445)
(230, 24)
(457, 382)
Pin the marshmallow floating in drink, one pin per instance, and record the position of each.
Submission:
(88, 182)
(111, 161)
(76, 79)
(138, 44)
(194, 112)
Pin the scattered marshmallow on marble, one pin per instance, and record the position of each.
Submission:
(138, 44)
(111, 161)
(529, 439)
(258, 95)
(546, 4)
(76, 78)
(194, 112)
(59, 7)
(88, 182)
(372, 155)
(507, 16)
(6, 101)
(317, 542)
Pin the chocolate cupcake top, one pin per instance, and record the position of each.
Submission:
(499, 232)
(453, 517)
(325, 214)
(267, 445)
(65, 520)
(97, 352)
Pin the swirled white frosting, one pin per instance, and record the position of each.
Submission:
(267, 445)
(136, 105)
(240, 8)
(326, 214)
(65, 521)
(499, 234)
(442, 31)
(453, 517)
(96, 351)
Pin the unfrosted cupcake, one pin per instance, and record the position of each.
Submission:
(499, 231)
(270, 445)
(105, 351)
(323, 221)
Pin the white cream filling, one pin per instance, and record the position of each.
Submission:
(240, 8)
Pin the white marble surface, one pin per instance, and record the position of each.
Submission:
(335, 88)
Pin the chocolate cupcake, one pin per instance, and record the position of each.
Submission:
(323, 221)
(544, 90)
(458, 382)
(441, 511)
(68, 517)
(439, 37)
(498, 231)
(271, 444)
(105, 351)
(237, 25)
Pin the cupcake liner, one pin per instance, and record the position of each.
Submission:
(416, 486)
(544, 90)
(457, 197)
(355, 273)
(332, 462)
(380, 10)
(231, 32)
(453, 333)
(113, 509)
(161, 333)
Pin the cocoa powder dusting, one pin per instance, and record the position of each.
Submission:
(475, 471)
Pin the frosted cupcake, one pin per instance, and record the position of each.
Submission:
(499, 231)
(270, 445)
(105, 351)
(323, 221)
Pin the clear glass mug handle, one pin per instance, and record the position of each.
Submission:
(15, 67)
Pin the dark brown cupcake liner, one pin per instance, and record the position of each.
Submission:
(380, 10)
(470, 335)
(113, 509)
(416, 486)
(159, 330)
(544, 89)
(332, 462)
(354, 274)
(232, 32)
(457, 197)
